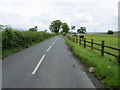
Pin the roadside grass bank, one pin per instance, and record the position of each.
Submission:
(105, 71)
(14, 41)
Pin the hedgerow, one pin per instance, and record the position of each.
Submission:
(14, 40)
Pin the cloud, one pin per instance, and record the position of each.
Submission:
(96, 15)
(83, 17)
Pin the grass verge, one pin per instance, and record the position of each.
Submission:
(106, 71)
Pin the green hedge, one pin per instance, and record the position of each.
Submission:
(13, 40)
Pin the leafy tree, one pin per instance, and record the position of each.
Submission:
(33, 29)
(110, 32)
(82, 30)
(55, 26)
(45, 30)
(65, 27)
(36, 28)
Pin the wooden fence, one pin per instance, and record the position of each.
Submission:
(102, 45)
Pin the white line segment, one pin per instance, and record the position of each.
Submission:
(49, 48)
(39, 63)
(56, 39)
(53, 43)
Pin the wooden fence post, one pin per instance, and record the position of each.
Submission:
(80, 41)
(76, 39)
(92, 44)
(102, 48)
(119, 57)
(73, 39)
(85, 43)
(70, 38)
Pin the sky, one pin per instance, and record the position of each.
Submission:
(95, 15)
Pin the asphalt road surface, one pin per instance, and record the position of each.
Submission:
(49, 64)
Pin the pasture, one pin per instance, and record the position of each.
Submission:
(110, 40)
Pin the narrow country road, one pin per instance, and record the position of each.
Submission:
(49, 64)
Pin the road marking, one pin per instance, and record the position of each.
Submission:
(53, 43)
(56, 39)
(49, 48)
(39, 63)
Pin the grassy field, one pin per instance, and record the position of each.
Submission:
(106, 71)
(110, 40)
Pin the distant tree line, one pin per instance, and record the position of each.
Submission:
(56, 25)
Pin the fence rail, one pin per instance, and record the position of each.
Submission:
(92, 43)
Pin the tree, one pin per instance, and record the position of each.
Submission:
(110, 32)
(33, 29)
(36, 28)
(82, 30)
(65, 27)
(45, 30)
(55, 26)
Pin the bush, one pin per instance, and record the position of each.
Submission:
(110, 32)
(14, 40)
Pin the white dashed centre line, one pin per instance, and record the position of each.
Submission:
(56, 39)
(49, 48)
(39, 63)
(53, 43)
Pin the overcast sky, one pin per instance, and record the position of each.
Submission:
(95, 15)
